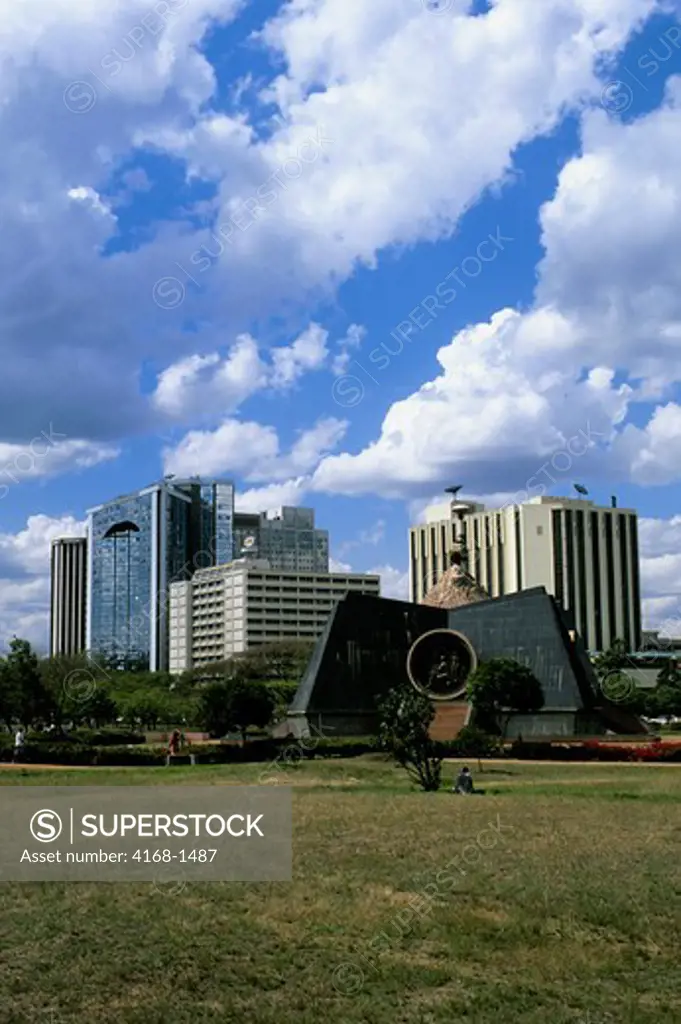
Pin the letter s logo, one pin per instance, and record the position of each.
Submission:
(46, 826)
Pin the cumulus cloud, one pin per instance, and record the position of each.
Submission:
(25, 577)
(86, 87)
(203, 387)
(252, 451)
(48, 454)
(272, 496)
(236, 447)
(308, 352)
(394, 582)
(604, 334)
(660, 544)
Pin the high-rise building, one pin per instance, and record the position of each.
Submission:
(138, 545)
(585, 555)
(68, 584)
(287, 538)
(231, 608)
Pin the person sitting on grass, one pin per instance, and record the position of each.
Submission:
(464, 783)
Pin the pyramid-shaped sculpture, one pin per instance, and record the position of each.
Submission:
(364, 649)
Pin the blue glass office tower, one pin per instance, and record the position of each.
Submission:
(138, 545)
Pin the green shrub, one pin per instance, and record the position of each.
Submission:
(50, 753)
(473, 741)
(135, 755)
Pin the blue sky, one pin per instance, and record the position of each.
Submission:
(345, 254)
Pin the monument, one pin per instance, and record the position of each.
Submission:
(372, 644)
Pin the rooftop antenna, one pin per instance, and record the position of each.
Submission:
(580, 488)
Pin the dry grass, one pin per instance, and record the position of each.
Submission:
(571, 915)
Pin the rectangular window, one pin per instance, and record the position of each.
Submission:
(558, 575)
(519, 550)
(626, 595)
(596, 559)
(610, 576)
(570, 562)
(582, 625)
(636, 592)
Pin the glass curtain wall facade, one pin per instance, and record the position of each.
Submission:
(139, 545)
(288, 540)
(122, 549)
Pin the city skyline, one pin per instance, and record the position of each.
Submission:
(308, 269)
(244, 525)
(140, 543)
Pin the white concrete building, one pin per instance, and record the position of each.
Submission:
(583, 554)
(68, 590)
(227, 609)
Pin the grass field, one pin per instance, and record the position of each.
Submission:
(567, 909)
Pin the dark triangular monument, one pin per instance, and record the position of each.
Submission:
(365, 648)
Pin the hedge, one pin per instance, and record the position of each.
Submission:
(275, 753)
(595, 750)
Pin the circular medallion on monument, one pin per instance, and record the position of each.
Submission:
(440, 662)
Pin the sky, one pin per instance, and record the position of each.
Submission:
(346, 254)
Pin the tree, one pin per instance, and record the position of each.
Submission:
(612, 660)
(669, 674)
(24, 697)
(615, 685)
(500, 688)
(404, 733)
(70, 681)
(236, 703)
(8, 695)
(145, 708)
(663, 702)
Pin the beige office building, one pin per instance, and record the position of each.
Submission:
(68, 595)
(230, 608)
(583, 554)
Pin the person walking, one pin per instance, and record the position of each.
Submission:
(173, 745)
(19, 740)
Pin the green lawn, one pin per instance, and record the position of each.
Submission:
(570, 912)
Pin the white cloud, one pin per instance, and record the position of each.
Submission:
(48, 454)
(25, 577)
(353, 74)
(346, 346)
(307, 450)
(234, 448)
(202, 386)
(491, 415)
(252, 451)
(394, 582)
(28, 551)
(209, 386)
(653, 453)
(273, 496)
(467, 114)
(660, 554)
(337, 566)
(604, 333)
(308, 352)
